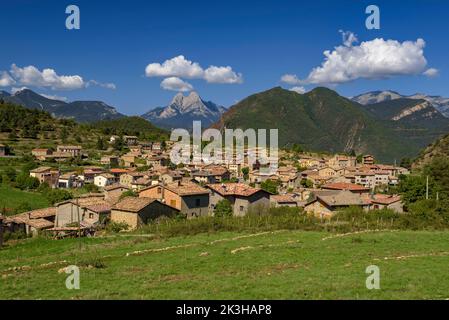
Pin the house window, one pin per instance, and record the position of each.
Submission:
(241, 208)
(159, 190)
(173, 203)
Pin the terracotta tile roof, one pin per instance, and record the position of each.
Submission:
(233, 189)
(133, 204)
(115, 186)
(384, 199)
(142, 182)
(118, 171)
(186, 188)
(42, 213)
(284, 198)
(40, 223)
(345, 186)
(343, 198)
(40, 169)
(100, 207)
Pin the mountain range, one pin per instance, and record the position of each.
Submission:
(438, 102)
(322, 120)
(183, 110)
(80, 111)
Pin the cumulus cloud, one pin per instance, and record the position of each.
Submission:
(176, 67)
(180, 67)
(6, 80)
(215, 74)
(31, 76)
(290, 79)
(374, 59)
(300, 90)
(431, 73)
(47, 78)
(176, 84)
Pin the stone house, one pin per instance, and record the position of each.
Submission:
(130, 178)
(73, 151)
(32, 222)
(130, 140)
(104, 179)
(341, 186)
(41, 154)
(46, 175)
(113, 192)
(326, 203)
(382, 201)
(241, 196)
(2, 150)
(191, 199)
(136, 212)
(111, 161)
(91, 209)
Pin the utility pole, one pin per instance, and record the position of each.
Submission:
(427, 188)
(1, 230)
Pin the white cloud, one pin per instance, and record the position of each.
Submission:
(290, 79)
(176, 84)
(175, 67)
(54, 97)
(111, 86)
(215, 74)
(180, 67)
(374, 59)
(31, 76)
(14, 90)
(6, 80)
(431, 73)
(300, 90)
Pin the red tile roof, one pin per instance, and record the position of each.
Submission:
(345, 186)
(233, 189)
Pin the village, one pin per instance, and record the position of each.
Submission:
(142, 186)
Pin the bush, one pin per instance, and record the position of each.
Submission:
(117, 227)
(223, 208)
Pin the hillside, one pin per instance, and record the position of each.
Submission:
(320, 120)
(23, 129)
(135, 126)
(440, 148)
(80, 111)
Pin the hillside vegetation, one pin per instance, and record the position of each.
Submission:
(321, 120)
(23, 129)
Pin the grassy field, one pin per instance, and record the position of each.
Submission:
(225, 265)
(11, 199)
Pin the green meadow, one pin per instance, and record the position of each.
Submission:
(230, 265)
(13, 200)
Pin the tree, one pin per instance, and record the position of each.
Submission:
(223, 209)
(245, 172)
(270, 186)
(306, 183)
(57, 195)
(118, 144)
(25, 182)
(406, 163)
(101, 144)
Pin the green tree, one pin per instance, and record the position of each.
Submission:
(223, 208)
(101, 144)
(245, 172)
(128, 193)
(306, 183)
(57, 195)
(270, 186)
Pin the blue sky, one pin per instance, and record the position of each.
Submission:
(261, 40)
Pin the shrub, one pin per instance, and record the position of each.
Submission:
(223, 208)
(117, 227)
